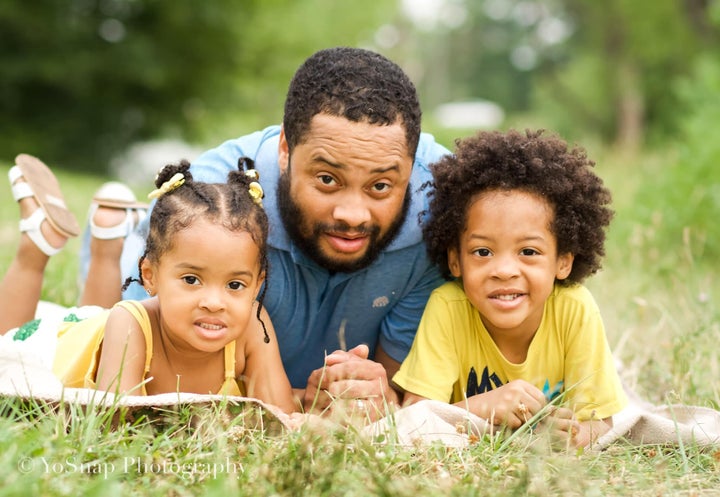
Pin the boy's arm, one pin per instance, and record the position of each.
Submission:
(511, 405)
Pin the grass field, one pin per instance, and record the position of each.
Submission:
(663, 325)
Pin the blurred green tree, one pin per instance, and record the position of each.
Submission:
(581, 67)
(82, 79)
(622, 60)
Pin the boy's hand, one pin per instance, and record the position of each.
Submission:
(511, 405)
(562, 426)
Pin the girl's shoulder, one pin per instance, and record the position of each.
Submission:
(137, 315)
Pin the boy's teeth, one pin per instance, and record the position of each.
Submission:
(512, 296)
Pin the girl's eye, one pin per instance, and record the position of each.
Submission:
(528, 251)
(236, 285)
(191, 280)
(483, 252)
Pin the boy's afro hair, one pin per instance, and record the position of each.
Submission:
(531, 162)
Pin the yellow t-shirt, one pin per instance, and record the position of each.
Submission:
(79, 344)
(453, 356)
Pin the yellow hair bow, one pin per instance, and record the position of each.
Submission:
(256, 192)
(169, 186)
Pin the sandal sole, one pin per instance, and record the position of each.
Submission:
(46, 190)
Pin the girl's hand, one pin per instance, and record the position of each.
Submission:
(511, 405)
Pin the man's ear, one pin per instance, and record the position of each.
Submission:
(283, 151)
(564, 266)
(454, 262)
(147, 271)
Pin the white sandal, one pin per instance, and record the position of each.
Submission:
(116, 195)
(41, 184)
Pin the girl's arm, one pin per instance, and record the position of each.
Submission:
(510, 405)
(264, 376)
(122, 357)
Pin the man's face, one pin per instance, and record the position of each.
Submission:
(343, 194)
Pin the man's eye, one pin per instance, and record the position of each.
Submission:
(190, 280)
(326, 179)
(381, 187)
(236, 285)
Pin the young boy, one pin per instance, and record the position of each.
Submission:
(519, 220)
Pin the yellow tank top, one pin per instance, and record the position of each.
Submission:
(79, 344)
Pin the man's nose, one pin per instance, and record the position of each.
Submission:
(352, 209)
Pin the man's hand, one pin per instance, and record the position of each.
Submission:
(350, 381)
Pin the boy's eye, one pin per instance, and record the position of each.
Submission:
(191, 280)
(528, 251)
(236, 285)
(483, 252)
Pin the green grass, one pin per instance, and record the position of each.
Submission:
(663, 325)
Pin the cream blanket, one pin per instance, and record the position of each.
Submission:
(25, 372)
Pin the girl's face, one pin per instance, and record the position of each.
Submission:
(508, 260)
(206, 286)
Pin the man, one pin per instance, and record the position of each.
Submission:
(349, 276)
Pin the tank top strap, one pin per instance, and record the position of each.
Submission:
(230, 361)
(138, 311)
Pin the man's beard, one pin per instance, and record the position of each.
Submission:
(294, 220)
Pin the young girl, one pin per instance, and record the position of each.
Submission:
(203, 330)
(520, 221)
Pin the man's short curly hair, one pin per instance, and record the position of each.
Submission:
(530, 162)
(357, 84)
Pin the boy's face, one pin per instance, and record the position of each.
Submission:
(508, 260)
(344, 190)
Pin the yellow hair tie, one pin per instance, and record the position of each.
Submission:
(256, 192)
(169, 186)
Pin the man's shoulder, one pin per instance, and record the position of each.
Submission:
(428, 151)
(260, 146)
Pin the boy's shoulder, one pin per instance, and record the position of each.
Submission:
(573, 296)
(451, 293)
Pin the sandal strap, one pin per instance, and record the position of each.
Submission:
(19, 190)
(121, 230)
(31, 227)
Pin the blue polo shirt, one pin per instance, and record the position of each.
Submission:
(310, 307)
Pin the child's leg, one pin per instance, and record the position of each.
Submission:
(46, 224)
(113, 215)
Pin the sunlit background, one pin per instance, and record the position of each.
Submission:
(83, 82)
